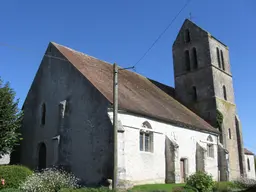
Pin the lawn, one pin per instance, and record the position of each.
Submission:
(156, 187)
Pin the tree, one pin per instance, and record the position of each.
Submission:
(10, 119)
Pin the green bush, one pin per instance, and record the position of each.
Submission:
(224, 186)
(102, 189)
(201, 181)
(13, 175)
(50, 180)
(10, 190)
(245, 183)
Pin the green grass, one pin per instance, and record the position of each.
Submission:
(156, 187)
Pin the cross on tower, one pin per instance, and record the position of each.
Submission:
(190, 16)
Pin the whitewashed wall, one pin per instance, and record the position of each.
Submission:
(251, 173)
(146, 167)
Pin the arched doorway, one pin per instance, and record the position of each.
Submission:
(42, 156)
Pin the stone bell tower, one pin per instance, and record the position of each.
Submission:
(203, 83)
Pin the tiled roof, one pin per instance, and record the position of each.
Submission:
(137, 94)
(247, 152)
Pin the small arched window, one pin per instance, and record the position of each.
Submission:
(43, 114)
(187, 36)
(248, 164)
(210, 147)
(194, 93)
(222, 60)
(195, 62)
(224, 92)
(218, 57)
(187, 60)
(146, 137)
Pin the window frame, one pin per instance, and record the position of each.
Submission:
(210, 147)
(187, 60)
(224, 92)
(146, 138)
(195, 58)
(248, 164)
(43, 114)
(187, 37)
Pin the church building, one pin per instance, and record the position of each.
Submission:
(164, 134)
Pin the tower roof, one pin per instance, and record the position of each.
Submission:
(188, 23)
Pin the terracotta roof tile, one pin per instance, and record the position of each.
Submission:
(247, 152)
(137, 94)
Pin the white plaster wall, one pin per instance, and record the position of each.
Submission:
(251, 173)
(147, 167)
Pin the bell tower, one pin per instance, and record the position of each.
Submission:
(203, 83)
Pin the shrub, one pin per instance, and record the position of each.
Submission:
(102, 189)
(224, 186)
(245, 183)
(201, 181)
(10, 190)
(13, 175)
(49, 180)
(178, 189)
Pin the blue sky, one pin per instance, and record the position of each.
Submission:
(121, 31)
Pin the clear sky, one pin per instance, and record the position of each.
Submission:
(121, 31)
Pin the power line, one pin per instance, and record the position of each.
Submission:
(153, 44)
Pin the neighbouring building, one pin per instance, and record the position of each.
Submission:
(164, 133)
(250, 164)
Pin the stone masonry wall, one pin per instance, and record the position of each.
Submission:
(85, 130)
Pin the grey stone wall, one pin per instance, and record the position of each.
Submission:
(85, 142)
(209, 80)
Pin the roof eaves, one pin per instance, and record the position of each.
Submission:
(168, 121)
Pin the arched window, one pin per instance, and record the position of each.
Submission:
(218, 57)
(229, 133)
(146, 137)
(187, 36)
(224, 92)
(248, 164)
(43, 114)
(222, 60)
(187, 60)
(194, 93)
(195, 58)
(210, 147)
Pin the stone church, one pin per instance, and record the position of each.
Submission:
(164, 133)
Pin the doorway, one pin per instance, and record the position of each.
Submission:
(183, 170)
(42, 156)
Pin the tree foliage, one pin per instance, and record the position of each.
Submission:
(10, 119)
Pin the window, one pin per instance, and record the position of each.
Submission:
(210, 147)
(187, 60)
(222, 60)
(224, 92)
(229, 133)
(146, 138)
(248, 164)
(194, 93)
(195, 58)
(43, 114)
(218, 56)
(187, 36)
